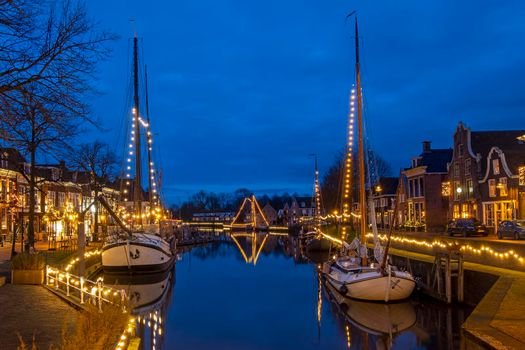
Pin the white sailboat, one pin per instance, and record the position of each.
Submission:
(137, 251)
(352, 276)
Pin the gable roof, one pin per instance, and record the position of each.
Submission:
(506, 140)
(14, 158)
(388, 185)
(436, 160)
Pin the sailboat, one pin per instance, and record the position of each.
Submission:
(137, 251)
(351, 275)
(385, 321)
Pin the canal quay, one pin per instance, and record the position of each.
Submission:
(263, 290)
(239, 175)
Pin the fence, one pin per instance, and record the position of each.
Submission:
(85, 291)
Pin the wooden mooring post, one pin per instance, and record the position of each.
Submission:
(448, 265)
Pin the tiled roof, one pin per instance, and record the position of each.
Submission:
(436, 160)
(388, 185)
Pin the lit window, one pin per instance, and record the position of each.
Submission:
(445, 189)
(521, 175)
(492, 188)
(503, 186)
(495, 166)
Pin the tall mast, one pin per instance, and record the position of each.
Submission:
(137, 193)
(361, 155)
(317, 197)
(148, 138)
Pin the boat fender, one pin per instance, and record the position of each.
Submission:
(343, 289)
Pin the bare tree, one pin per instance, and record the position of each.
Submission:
(47, 64)
(331, 185)
(97, 160)
(56, 49)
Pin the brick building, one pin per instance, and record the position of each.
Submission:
(484, 181)
(422, 205)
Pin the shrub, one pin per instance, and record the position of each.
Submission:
(27, 261)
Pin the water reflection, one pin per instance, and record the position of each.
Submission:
(149, 299)
(260, 291)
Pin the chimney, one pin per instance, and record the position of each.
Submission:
(426, 146)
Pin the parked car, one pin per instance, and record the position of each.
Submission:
(466, 227)
(513, 229)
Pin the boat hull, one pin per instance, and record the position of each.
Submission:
(136, 258)
(375, 318)
(318, 245)
(374, 286)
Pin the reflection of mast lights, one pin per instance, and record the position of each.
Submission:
(348, 340)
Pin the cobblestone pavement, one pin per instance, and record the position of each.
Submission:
(32, 311)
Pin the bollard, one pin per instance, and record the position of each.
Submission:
(56, 279)
(99, 290)
(47, 272)
(81, 290)
(67, 283)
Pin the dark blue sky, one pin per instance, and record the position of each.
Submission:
(242, 91)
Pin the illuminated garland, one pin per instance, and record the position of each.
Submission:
(347, 196)
(441, 244)
(463, 247)
(86, 255)
(155, 209)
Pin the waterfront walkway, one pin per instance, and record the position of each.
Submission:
(498, 321)
(32, 311)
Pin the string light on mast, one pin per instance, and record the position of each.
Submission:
(347, 180)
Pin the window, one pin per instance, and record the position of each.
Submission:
(464, 211)
(492, 188)
(456, 169)
(4, 162)
(470, 188)
(467, 166)
(383, 202)
(456, 211)
(3, 191)
(55, 174)
(457, 190)
(503, 186)
(521, 175)
(445, 189)
(460, 149)
(61, 199)
(495, 166)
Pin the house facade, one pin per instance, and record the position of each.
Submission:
(484, 175)
(384, 200)
(422, 205)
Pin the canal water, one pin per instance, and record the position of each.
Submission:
(258, 291)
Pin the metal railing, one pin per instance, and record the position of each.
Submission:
(84, 290)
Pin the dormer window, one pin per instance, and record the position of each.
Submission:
(4, 160)
(55, 173)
